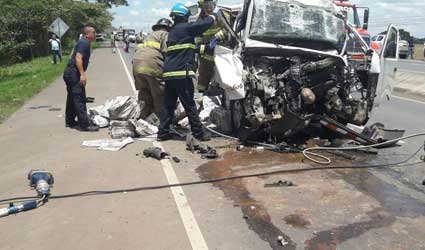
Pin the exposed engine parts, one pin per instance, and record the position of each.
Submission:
(284, 95)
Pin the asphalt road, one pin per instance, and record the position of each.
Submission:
(398, 113)
(335, 209)
(414, 66)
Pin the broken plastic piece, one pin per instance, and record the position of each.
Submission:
(155, 152)
(90, 99)
(175, 159)
(282, 240)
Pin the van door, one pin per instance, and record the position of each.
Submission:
(388, 65)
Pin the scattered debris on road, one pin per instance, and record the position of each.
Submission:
(175, 159)
(155, 152)
(40, 107)
(90, 99)
(282, 240)
(194, 145)
(121, 129)
(108, 144)
(54, 109)
(280, 183)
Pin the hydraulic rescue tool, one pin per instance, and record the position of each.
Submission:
(41, 181)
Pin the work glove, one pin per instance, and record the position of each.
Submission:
(213, 43)
(214, 14)
(216, 10)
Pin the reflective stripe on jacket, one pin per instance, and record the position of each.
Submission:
(180, 58)
(149, 56)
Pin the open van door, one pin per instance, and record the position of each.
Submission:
(388, 65)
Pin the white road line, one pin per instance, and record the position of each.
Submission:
(407, 99)
(192, 228)
(130, 79)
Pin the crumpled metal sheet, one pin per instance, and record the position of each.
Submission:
(208, 104)
(123, 108)
(122, 129)
(229, 72)
(222, 119)
(100, 121)
(101, 110)
(144, 128)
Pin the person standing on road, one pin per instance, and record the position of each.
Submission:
(147, 68)
(179, 69)
(55, 45)
(76, 80)
(411, 48)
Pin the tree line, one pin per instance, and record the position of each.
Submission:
(24, 24)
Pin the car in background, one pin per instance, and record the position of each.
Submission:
(100, 37)
(130, 35)
(378, 42)
(119, 36)
(403, 49)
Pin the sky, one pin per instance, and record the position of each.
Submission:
(407, 15)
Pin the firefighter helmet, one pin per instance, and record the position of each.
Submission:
(180, 10)
(162, 23)
(207, 5)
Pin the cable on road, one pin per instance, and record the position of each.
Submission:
(228, 178)
(314, 157)
(326, 160)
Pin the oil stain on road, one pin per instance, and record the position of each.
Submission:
(392, 203)
(255, 213)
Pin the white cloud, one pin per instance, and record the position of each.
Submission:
(135, 3)
(134, 13)
(160, 12)
(408, 15)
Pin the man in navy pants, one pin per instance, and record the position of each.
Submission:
(75, 79)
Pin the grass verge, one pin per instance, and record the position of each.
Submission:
(20, 82)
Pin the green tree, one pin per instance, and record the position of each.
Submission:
(24, 24)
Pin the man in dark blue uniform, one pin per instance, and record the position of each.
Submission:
(179, 69)
(75, 79)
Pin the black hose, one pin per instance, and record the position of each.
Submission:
(284, 171)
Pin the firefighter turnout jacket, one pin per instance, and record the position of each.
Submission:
(149, 56)
(180, 59)
(217, 30)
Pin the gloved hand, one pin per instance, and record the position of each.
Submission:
(213, 42)
(214, 13)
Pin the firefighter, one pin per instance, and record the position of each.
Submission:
(179, 69)
(147, 68)
(216, 34)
